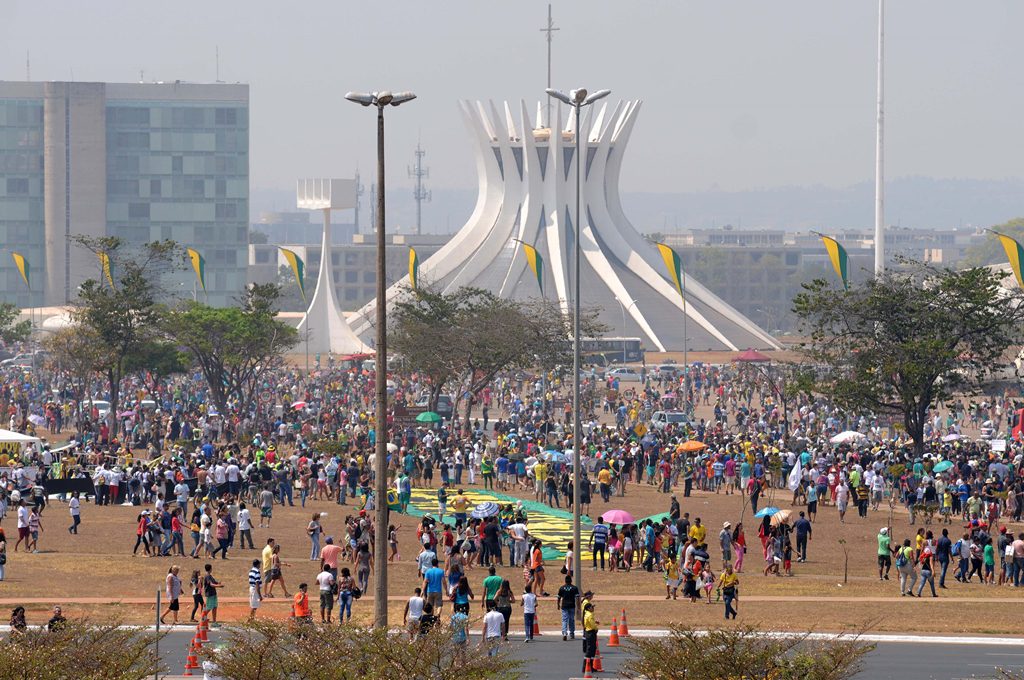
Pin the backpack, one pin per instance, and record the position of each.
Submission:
(957, 547)
(901, 558)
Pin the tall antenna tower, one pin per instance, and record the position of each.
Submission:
(419, 172)
(549, 29)
(360, 190)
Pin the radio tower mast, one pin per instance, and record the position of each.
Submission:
(419, 193)
(360, 190)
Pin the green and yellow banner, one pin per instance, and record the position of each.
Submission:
(199, 265)
(106, 267)
(298, 268)
(1014, 253)
(536, 262)
(414, 269)
(23, 268)
(837, 255)
(674, 265)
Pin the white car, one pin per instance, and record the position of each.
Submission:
(623, 374)
(102, 407)
(662, 419)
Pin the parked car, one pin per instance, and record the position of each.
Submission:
(102, 407)
(668, 371)
(624, 374)
(445, 405)
(662, 419)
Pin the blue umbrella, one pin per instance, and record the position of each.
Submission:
(485, 510)
(766, 512)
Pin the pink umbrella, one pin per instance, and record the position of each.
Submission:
(617, 517)
(299, 405)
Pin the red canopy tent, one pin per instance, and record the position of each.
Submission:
(751, 356)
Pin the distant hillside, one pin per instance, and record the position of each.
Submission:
(910, 202)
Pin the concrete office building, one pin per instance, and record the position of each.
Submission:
(142, 162)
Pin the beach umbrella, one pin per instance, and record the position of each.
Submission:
(485, 510)
(943, 466)
(428, 417)
(553, 456)
(767, 512)
(530, 460)
(781, 517)
(691, 445)
(848, 437)
(617, 517)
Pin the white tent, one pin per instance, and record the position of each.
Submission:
(14, 443)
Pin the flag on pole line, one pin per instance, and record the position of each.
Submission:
(536, 262)
(675, 267)
(199, 265)
(414, 269)
(1014, 253)
(298, 268)
(106, 266)
(23, 268)
(837, 255)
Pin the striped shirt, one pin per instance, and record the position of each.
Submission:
(254, 577)
(600, 534)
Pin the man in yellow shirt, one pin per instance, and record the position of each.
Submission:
(729, 583)
(540, 474)
(604, 478)
(267, 558)
(698, 532)
(459, 505)
(589, 634)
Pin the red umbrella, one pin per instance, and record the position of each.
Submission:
(751, 356)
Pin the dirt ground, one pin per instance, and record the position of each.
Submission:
(96, 573)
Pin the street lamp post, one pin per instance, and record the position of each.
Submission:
(380, 575)
(577, 99)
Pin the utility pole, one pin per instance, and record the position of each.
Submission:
(549, 29)
(418, 172)
(880, 149)
(360, 190)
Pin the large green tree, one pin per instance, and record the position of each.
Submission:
(471, 335)
(905, 341)
(233, 346)
(124, 316)
(12, 330)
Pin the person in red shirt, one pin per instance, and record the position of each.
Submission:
(329, 556)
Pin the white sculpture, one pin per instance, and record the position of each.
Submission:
(323, 329)
(527, 192)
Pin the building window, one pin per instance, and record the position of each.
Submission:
(262, 257)
(123, 187)
(351, 293)
(226, 211)
(155, 188)
(351, 276)
(226, 117)
(17, 186)
(221, 187)
(350, 259)
(132, 140)
(138, 211)
(194, 188)
(176, 165)
(370, 277)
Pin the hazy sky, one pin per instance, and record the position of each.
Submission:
(738, 95)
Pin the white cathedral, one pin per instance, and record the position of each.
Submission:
(527, 192)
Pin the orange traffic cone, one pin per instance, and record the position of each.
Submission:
(191, 661)
(197, 642)
(598, 664)
(536, 625)
(613, 635)
(623, 628)
(588, 669)
(204, 629)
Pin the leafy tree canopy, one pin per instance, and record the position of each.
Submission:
(909, 339)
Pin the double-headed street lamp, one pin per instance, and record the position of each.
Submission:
(380, 603)
(577, 99)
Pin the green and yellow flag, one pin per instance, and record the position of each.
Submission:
(106, 266)
(536, 262)
(298, 268)
(22, 264)
(1014, 253)
(414, 269)
(837, 254)
(199, 265)
(674, 265)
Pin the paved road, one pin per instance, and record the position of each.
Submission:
(548, 658)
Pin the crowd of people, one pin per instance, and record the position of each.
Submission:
(203, 481)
